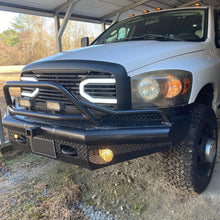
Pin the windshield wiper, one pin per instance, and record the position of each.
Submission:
(144, 37)
(154, 37)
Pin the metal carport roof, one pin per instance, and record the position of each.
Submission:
(96, 11)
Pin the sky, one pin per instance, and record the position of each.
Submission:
(5, 19)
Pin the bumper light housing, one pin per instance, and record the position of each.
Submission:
(102, 156)
(55, 106)
(27, 103)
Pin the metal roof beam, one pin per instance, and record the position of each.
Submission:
(124, 9)
(25, 9)
(116, 18)
(66, 18)
(63, 6)
(61, 28)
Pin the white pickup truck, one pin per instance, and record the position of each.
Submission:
(149, 83)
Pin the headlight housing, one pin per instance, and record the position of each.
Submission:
(161, 89)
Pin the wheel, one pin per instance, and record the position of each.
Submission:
(189, 166)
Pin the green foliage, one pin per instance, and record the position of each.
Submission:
(10, 37)
(139, 208)
(25, 22)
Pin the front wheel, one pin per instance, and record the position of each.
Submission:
(189, 166)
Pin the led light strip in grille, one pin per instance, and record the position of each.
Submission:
(99, 82)
(35, 92)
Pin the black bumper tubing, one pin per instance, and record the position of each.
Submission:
(82, 106)
(97, 136)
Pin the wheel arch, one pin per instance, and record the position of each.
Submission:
(206, 95)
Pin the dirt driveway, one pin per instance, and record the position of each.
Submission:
(130, 190)
(34, 187)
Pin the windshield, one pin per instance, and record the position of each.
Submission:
(178, 25)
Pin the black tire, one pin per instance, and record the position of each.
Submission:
(185, 166)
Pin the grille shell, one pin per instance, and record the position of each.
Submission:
(71, 80)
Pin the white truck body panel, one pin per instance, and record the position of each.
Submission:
(202, 59)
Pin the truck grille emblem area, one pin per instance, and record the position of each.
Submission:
(92, 86)
(92, 82)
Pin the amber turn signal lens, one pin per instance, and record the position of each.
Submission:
(197, 4)
(131, 15)
(145, 11)
(159, 9)
(186, 85)
(174, 87)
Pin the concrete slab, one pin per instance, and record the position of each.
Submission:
(213, 190)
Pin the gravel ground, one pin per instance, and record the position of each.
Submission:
(133, 190)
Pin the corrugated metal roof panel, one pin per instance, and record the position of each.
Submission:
(94, 10)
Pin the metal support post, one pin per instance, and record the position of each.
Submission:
(103, 26)
(59, 29)
(116, 18)
(2, 138)
(4, 145)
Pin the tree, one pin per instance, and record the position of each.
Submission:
(10, 37)
(9, 55)
(32, 38)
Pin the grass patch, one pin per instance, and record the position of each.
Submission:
(11, 69)
(139, 208)
(38, 188)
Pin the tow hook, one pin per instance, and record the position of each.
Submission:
(33, 131)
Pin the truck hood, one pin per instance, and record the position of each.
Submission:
(132, 55)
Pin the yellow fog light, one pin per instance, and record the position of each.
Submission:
(102, 156)
(106, 155)
(16, 136)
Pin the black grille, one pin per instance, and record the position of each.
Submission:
(71, 81)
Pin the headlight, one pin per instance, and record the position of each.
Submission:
(161, 89)
(148, 89)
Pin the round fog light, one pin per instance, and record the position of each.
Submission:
(149, 89)
(106, 155)
(102, 156)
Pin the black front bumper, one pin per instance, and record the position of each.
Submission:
(128, 134)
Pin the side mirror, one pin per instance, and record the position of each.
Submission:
(84, 42)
